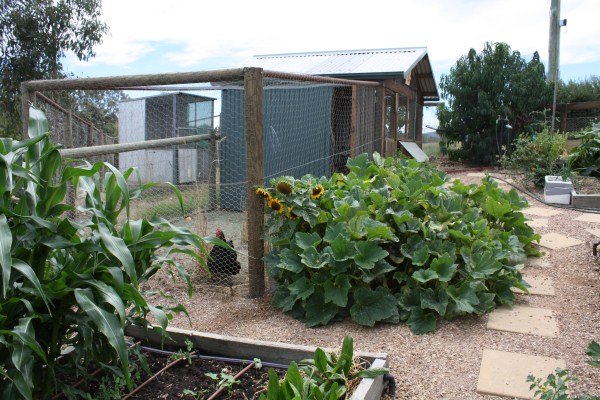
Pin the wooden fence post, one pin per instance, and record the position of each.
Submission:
(253, 109)
(25, 100)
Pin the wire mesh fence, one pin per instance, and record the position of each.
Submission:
(310, 125)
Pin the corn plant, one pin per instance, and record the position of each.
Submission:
(69, 284)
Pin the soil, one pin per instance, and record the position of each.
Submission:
(172, 382)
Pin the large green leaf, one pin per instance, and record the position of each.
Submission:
(444, 267)
(368, 254)
(108, 324)
(484, 264)
(30, 275)
(342, 249)
(318, 312)
(313, 259)
(5, 254)
(301, 289)
(336, 290)
(117, 247)
(371, 306)
(436, 300)
(306, 240)
(421, 322)
(464, 297)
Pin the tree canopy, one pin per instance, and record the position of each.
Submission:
(480, 88)
(35, 36)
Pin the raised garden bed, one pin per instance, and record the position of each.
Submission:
(209, 344)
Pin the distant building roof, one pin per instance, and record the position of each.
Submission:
(375, 64)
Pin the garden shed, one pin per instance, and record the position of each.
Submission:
(307, 126)
(166, 116)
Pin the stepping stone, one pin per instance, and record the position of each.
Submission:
(595, 232)
(523, 319)
(539, 285)
(589, 218)
(538, 223)
(505, 374)
(537, 262)
(556, 241)
(476, 174)
(541, 211)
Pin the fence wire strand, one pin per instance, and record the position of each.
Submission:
(310, 127)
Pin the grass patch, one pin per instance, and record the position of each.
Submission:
(163, 202)
(432, 149)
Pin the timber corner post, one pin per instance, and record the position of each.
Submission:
(25, 100)
(253, 111)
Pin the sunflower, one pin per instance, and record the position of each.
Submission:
(276, 205)
(290, 213)
(263, 193)
(317, 192)
(284, 187)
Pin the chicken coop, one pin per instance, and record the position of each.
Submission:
(312, 128)
(161, 117)
(306, 131)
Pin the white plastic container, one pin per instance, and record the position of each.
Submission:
(557, 190)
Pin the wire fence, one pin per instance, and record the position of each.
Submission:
(302, 125)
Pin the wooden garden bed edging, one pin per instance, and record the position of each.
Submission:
(247, 349)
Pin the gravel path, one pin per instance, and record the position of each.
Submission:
(445, 363)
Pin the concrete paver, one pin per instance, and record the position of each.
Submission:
(541, 211)
(505, 374)
(539, 286)
(537, 262)
(538, 223)
(595, 218)
(523, 319)
(595, 232)
(557, 241)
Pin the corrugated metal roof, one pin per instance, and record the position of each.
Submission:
(344, 62)
(373, 64)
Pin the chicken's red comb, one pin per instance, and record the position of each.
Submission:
(219, 233)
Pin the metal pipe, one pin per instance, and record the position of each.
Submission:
(133, 146)
(166, 367)
(316, 78)
(235, 378)
(215, 358)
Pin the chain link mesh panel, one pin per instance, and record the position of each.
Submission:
(310, 127)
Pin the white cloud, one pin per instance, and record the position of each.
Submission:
(234, 30)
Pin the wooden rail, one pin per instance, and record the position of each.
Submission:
(90, 151)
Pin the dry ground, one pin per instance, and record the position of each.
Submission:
(445, 363)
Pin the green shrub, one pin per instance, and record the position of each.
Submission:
(585, 158)
(326, 376)
(73, 284)
(537, 156)
(391, 242)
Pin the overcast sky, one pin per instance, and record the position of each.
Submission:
(150, 36)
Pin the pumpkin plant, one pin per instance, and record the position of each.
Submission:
(73, 285)
(327, 376)
(393, 240)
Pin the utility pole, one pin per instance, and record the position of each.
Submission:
(554, 43)
(554, 54)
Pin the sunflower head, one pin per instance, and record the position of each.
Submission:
(317, 192)
(290, 213)
(284, 187)
(263, 193)
(275, 204)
